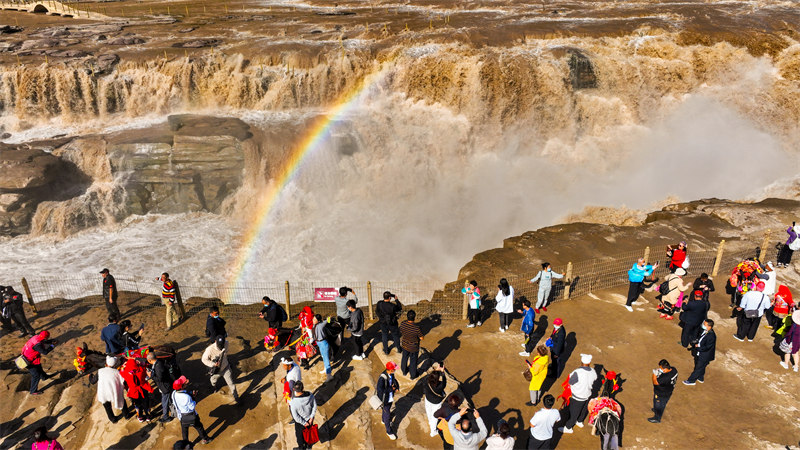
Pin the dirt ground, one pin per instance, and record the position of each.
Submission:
(747, 400)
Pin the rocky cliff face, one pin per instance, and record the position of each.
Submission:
(190, 163)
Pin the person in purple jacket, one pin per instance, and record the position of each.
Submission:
(792, 244)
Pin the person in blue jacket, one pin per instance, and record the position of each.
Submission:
(636, 276)
(528, 317)
(111, 334)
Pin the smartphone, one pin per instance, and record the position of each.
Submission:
(141, 327)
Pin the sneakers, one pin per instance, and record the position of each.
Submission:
(688, 383)
(323, 371)
(357, 357)
(522, 345)
(472, 325)
(629, 308)
(207, 440)
(701, 381)
(797, 368)
(749, 340)
(392, 436)
(544, 308)
(506, 327)
(141, 419)
(36, 393)
(565, 430)
(668, 318)
(738, 338)
(479, 324)
(579, 424)
(502, 330)
(784, 365)
(536, 310)
(662, 315)
(524, 353)
(654, 420)
(434, 433)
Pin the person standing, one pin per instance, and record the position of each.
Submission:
(320, 335)
(164, 372)
(16, 311)
(663, 384)
(185, 408)
(538, 369)
(39, 345)
(215, 325)
(135, 376)
(410, 337)
(636, 275)
(111, 334)
(388, 310)
(704, 352)
(792, 245)
(751, 309)
(545, 279)
(215, 357)
(272, 313)
(502, 440)
(474, 311)
(694, 312)
(293, 376)
(558, 345)
(168, 298)
(790, 345)
(356, 326)
(303, 408)
(542, 424)
(111, 391)
(386, 389)
(504, 304)
(460, 428)
(435, 394)
(342, 312)
(5, 315)
(677, 256)
(110, 294)
(581, 381)
(705, 284)
(528, 323)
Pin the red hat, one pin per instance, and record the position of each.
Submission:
(698, 293)
(179, 383)
(391, 366)
(558, 321)
(760, 286)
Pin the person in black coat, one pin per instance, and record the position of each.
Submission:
(13, 307)
(271, 313)
(558, 339)
(164, 371)
(215, 325)
(704, 352)
(694, 312)
(387, 311)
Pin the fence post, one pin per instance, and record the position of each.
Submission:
(28, 294)
(369, 300)
(646, 254)
(764, 245)
(465, 308)
(718, 261)
(179, 299)
(567, 277)
(288, 300)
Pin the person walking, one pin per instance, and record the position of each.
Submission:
(474, 311)
(542, 424)
(356, 326)
(792, 245)
(704, 352)
(581, 381)
(215, 325)
(111, 391)
(694, 312)
(538, 369)
(675, 290)
(43, 442)
(303, 408)
(545, 278)
(131, 339)
(636, 275)
(410, 338)
(663, 384)
(111, 334)
(12, 300)
(164, 372)
(502, 440)
(504, 304)
(790, 345)
(168, 298)
(215, 357)
(342, 312)
(273, 313)
(434, 390)
(110, 294)
(751, 308)
(558, 344)
(185, 409)
(39, 345)
(528, 323)
(387, 311)
(386, 389)
(460, 426)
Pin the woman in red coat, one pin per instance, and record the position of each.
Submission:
(135, 376)
(677, 255)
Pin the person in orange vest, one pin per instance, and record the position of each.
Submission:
(39, 345)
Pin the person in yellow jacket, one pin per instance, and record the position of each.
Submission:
(538, 368)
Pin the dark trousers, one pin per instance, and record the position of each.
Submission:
(197, 426)
(165, 399)
(6, 323)
(386, 417)
(785, 256)
(558, 363)
(659, 405)
(577, 411)
(408, 363)
(535, 444)
(773, 320)
(690, 332)
(142, 405)
(359, 344)
(298, 434)
(505, 320)
(110, 412)
(634, 291)
(342, 323)
(22, 322)
(699, 371)
(37, 373)
(747, 327)
(386, 329)
(113, 309)
(530, 343)
(474, 315)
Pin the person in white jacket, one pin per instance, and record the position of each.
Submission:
(216, 356)
(501, 440)
(504, 304)
(110, 391)
(581, 381)
(545, 279)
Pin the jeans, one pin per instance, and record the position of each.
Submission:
(395, 332)
(37, 373)
(634, 291)
(226, 375)
(577, 412)
(659, 404)
(542, 296)
(386, 417)
(408, 363)
(197, 426)
(325, 352)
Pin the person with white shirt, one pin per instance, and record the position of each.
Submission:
(542, 424)
(504, 304)
(185, 410)
(581, 381)
(753, 300)
(545, 279)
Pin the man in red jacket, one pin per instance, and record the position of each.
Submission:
(39, 345)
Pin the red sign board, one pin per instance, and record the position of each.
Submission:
(325, 294)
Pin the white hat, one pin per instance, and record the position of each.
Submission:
(769, 263)
(796, 317)
(111, 361)
(680, 272)
(287, 361)
(586, 359)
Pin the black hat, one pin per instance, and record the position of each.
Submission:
(104, 271)
(220, 342)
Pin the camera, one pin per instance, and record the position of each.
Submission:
(694, 342)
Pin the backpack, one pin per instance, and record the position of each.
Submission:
(331, 330)
(282, 316)
(663, 288)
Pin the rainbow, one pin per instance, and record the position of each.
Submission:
(317, 134)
